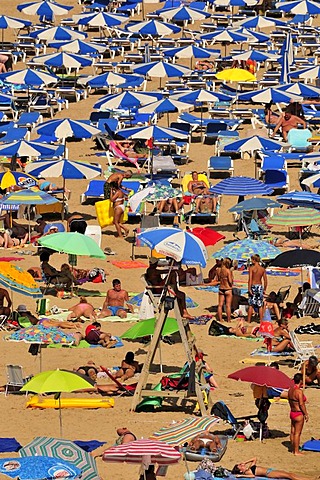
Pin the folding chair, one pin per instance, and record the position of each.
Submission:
(309, 306)
(221, 410)
(123, 389)
(303, 349)
(16, 380)
(147, 221)
(222, 165)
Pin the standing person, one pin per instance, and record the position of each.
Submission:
(224, 278)
(298, 412)
(4, 295)
(116, 302)
(118, 197)
(257, 284)
(115, 180)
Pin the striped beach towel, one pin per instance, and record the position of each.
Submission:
(183, 431)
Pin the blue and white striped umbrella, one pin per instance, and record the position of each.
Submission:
(126, 100)
(268, 95)
(165, 105)
(191, 51)
(241, 186)
(29, 77)
(300, 199)
(100, 19)
(304, 7)
(26, 149)
(310, 73)
(79, 46)
(110, 79)
(233, 3)
(11, 22)
(154, 28)
(225, 35)
(63, 59)
(183, 13)
(177, 244)
(253, 144)
(260, 21)
(58, 33)
(301, 89)
(161, 70)
(67, 128)
(255, 55)
(66, 169)
(252, 35)
(203, 96)
(154, 131)
(44, 8)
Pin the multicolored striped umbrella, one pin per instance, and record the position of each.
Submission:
(244, 249)
(296, 217)
(185, 430)
(29, 197)
(140, 450)
(18, 280)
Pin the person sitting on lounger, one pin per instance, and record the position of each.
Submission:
(169, 205)
(127, 148)
(52, 274)
(95, 336)
(205, 440)
(287, 122)
(82, 309)
(129, 367)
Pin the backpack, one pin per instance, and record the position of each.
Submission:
(217, 329)
(220, 410)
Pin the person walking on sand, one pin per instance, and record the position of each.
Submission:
(118, 197)
(298, 412)
(115, 180)
(224, 279)
(257, 285)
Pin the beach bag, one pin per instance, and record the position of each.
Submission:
(180, 383)
(207, 465)
(146, 308)
(194, 279)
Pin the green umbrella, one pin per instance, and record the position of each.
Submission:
(145, 328)
(73, 243)
(56, 381)
(296, 217)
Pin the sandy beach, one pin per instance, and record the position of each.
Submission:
(224, 354)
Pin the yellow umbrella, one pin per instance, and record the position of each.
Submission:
(20, 179)
(235, 75)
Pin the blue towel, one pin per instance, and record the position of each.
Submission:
(264, 353)
(9, 445)
(312, 445)
(89, 445)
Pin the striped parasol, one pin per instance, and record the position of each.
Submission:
(296, 217)
(185, 430)
(142, 451)
(18, 280)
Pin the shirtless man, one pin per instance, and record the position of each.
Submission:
(4, 295)
(82, 309)
(257, 284)
(287, 123)
(115, 302)
(116, 180)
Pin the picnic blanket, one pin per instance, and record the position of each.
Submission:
(128, 264)
(201, 319)
(184, 430)
(41, 334)
(263, 352)
(9, 445)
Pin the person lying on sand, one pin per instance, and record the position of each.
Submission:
(95, 336)
(250, 469)
(242, 330)
(82, 309)
(89, 370)
(129, 366)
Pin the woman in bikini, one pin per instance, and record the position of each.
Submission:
(205, 440)
(117, 197)
(89, 370)
(129, 366)
(82, 309)
(250, 469)
(298, 412)
(224, 278)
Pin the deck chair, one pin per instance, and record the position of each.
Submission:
(220, 409)
(94, 191)
(115, 152)
(16, 379)
(123, 389)
(147, 221)
(298, 139)
(277, 179)
(29, 119)
(221, 165)
(309, 306)
(3, 321)
(94, 232)
(303, 349)
(213, 130)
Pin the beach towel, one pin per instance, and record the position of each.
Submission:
(131, 317)
(89, 445)
(201, 320)
(85, 344)
(184, 430)
(9, 445)
(40, 334)
(264, 353)
(128, 264)
(312, 445)
(10, 259)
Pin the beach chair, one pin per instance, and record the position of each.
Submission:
(220, 409)
(116, 153)
(127, 390)
(147, 221)
(94, 232)
(213, 130)
(3, 321)
(96, 116)
(303, 349)
(16, 379)
(309, 306)
(277, 179)
(221, 165)
(15, 135)
(29, 119)
(272, 162)
(298, 139)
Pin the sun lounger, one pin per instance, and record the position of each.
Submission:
(193, 456)
(123, 389)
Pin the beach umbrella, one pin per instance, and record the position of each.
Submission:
(184, 430)
(255, 203)
(310, 73)
(155, 132)
(45, 8)
(62, 59)
(297, 258)
(142, 451)
(10, 179)
(225, 35)
(58, 33)
(29, 77)
(241, 186)
(28, 197)
(18, 280)
(41, 335)
(252, 35)
(10, 22)
(165, 105)
(244, 249)
(110, 79)
(255, 55)
(304, 7)
(190, 51)
(146, 327)
(259, 21)
(100, 19)
(73, 243)
(79, 46)
(22, 148)
(161, 70)
(268, 95)
(207, 235)
(63, 450)
(56, 381)
(300, 199)
(153, 193)
(311, 180)
(254, 143)
(183, 14)
(177, 244)
(154, 28)
(126, 100)
(38, 468)
(235, 75)
(296, 217)
(201, 96)
(301, 89)
(263, 376)
(233, 3)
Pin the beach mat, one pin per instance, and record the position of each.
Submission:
(82, 292)
(85, 344)
(11, 259)
(9, 445)
(128, 264)
(264, 353)
(89, 445)
(312, 445)
(62, 316)
(254, 361)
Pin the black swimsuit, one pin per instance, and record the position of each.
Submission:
(86, 368)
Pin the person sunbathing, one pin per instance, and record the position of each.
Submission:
(125, 436)
(312, 371)
(205, 440)
(245, 331)
(89, 370)
(206, 204)
(281, 341)
(82, 309)
(196, 186)
(129, 367)
(286, 243)
(170, 205)
(94, 336)
(271, 304)
(127, 148)
(250, 469)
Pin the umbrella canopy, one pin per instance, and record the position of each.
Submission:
(296, 217)
(55, 381)
(146, 327)
(155, 132)
(235, 75)
(252, 144)
(126, 100)
(268, 95)
(18, 280)
(66, 128)
(10, 179)
(190, 51)
(38, 468)
(110, 79)
(23, 148)
(154, 28)
(100, 19)
(79, 46)
(29, 77)
(203, 96)
(177, 244)
(206, 235)
(73, 243)
(306, 73)
(259, 21)
(58, 33)
(183, 13)
(263, 376)
(161, 69)
(241, 186)
(255, 203)
(62, 59)
(311, 180)
(165, 105)
(297, 258)
(300, 199)
(67, 169)
(304, 7)
(138, 450)
(244, 249)
(224, 36)
(41, 335)
(44, 8)
(255, 55)
(298, 88)
(28, 197)
(153, 193)
(11, 22)
(64, 450)
(184, 430)
(233, 3)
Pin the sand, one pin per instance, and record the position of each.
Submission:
(224, 354)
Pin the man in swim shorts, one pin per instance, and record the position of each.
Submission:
(116, 302)
(257, 285)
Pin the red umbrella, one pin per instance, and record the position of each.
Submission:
(207, 235)
(143, 451)
(264, 376)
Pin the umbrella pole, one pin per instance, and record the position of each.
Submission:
(29, 226)
(160, 355)
(63, 198)
(60, 415)
(168, 119)
(303, 376)
(201, 120)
